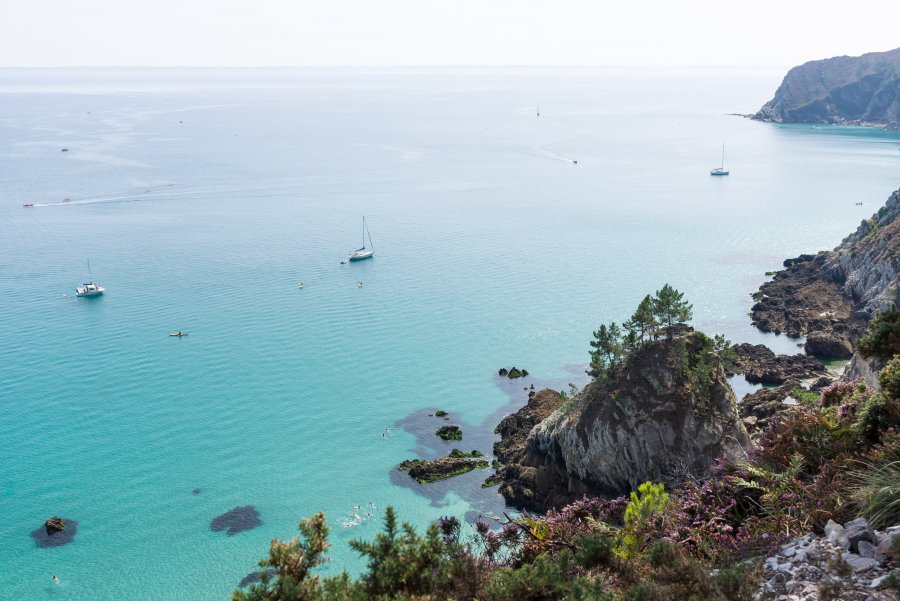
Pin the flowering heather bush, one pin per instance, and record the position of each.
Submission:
(581, 517)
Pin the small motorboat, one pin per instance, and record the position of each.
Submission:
(178, 334)
(343, 261)
(300, 285)
(65, 150)
(359, 284)
(28, 205)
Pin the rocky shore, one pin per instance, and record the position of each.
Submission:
(760, 365)
(828, 297)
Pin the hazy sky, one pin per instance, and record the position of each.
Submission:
(439, 32)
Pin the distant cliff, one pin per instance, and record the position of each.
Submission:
(845, 89)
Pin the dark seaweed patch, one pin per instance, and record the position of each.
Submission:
(57, 539)
(237, 520)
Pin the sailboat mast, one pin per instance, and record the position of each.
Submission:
(364, 231)
(723, 155)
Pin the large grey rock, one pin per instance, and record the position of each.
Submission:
(858, 530)
(859, 564)
(866, 549)
(837, 535)
(647, 421)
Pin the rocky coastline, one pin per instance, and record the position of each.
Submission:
(862, 90)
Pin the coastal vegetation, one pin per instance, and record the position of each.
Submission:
(883, 336)
(654, 315)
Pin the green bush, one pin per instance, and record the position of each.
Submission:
(883, 336)
(889, 378)
(876, 415)
(649, 500)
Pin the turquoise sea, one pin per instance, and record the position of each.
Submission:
(202, 198)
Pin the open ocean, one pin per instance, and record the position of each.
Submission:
(202, 198)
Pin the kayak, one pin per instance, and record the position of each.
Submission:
(178, 334)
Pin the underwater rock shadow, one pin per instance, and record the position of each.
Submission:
(252, 578)
(57, 539)
(423, 423)
(236, 521)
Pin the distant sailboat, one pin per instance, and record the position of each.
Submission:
(539, 110)
(363, 253)
(90, 288)
(720, 170)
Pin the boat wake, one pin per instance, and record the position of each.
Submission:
(540, 152)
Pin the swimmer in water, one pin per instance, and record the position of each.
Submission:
(56, 579)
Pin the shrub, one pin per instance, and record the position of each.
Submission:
(649, 501)
(878, 414)
(889, 378)
(883, 336)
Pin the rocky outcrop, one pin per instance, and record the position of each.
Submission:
(457, 462)
(515, 428)
(670, 408)
(829, 297)
(55, 532)
(850, 563)
(762, 366)
(866, 368)
(861, 90)
(758, 409)
(54, 525)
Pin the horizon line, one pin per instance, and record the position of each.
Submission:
(437, 66)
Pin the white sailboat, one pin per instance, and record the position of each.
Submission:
(363, 253)
(90, 288)
(720, 170)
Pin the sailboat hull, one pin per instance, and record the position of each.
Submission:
(362, 256)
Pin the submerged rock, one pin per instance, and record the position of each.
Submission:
(50, 534)
(236, 521)
(449, 433)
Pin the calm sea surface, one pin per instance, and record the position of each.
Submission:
(202, 198)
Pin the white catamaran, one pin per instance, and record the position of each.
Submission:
(363, 253)
(720, 170)
(90, 288)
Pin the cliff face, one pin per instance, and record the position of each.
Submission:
(866, 263)
(844, 89)
(670, 409)
(829, 297)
